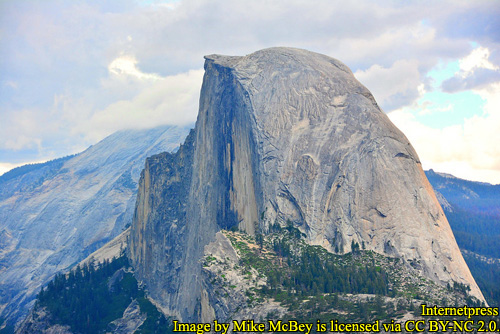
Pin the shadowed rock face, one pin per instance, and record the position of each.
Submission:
(286, 134)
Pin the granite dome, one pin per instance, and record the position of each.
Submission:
(283, 135)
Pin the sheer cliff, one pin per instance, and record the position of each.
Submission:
(285, 135)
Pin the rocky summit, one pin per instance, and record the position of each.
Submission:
(285, 136)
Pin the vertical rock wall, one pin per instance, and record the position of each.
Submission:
(185, 198)
(159, 233)
(287, 135)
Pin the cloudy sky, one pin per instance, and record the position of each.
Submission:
(73, 72)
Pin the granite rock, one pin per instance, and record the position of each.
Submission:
(285, 135)
(55, 214)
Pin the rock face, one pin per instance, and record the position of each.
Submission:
(41, 322)
(132, 319)
(159, 245)
(227, 286)
(55, 214)
(112, 249)
(286, 135)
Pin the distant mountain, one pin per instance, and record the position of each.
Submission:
(473, 210)
(477, 197)
(52, 215)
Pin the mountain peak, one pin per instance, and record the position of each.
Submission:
(276, 56)
(288, 136)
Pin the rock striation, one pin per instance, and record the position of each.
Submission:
(285, 135)
(55, 214)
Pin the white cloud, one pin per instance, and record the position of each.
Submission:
(5, 167)
(127, 65)
(126, 98)
(169, 100)
(469, 151)
(478, 58)
(476, 71)
(428, 108)
(22, 130)
(11, 84)
(393, 87)
(22, 141)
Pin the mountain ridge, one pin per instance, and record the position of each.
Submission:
(54, 214)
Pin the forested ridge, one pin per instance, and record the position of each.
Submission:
(475, 220)
(307, 280)
(315, 284)
(90, 297)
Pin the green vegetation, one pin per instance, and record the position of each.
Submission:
(487, 275)
(315, 284)
(313, 270)
(475, 221)
(89, 298)
(477, 232)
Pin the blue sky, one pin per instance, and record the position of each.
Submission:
(73, 72)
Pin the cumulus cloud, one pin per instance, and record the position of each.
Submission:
(89, 68)
(169, 100)
(478, 79)
(471, 20)
(21, 130)
(395, 86)
(428, 108)
(470, 150)
(5, 167)
(476, 71)
(477, 59)
(126, 65)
